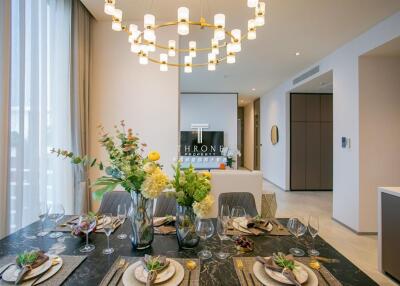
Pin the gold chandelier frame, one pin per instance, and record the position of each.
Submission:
(203, 24)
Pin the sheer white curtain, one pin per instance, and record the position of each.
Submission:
(40, 116)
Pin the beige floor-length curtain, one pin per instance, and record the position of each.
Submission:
(80, 58)
(5, 48)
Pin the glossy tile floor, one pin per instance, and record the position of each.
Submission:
(360, 249)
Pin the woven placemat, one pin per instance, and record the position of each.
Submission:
(194, 276)
(70, 263)
(248, 273)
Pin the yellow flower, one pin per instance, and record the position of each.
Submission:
(154, 184)
(201, 209)
(149, 167)
(207, 175)
(154, 156)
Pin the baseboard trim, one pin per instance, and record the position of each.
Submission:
(272, 183)
(353, 230)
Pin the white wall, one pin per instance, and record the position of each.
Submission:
(249, 136)
(379, 130)
(275, 104)
(144, 97)
(217, 110)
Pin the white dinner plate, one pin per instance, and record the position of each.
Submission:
(11, 273)
(52, 271)
(262, 276)
(141, 273)
(300, 273)
(128, 278)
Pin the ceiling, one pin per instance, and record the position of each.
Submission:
(389, 49)
(315, 28)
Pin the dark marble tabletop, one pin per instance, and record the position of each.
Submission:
(214, 271)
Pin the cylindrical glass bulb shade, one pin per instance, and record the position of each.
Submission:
(183, 29)
(188, 69)
(229, 48)
(171, 48)
(219, 20)
(133, 28)
(237, 35)
(149, 20)
(183, 14)
(192, 49)
(116, 26)
(152, 47)
(135, 48)
(231, 59)
(118, 14)
(251, 35)
(149, 35)
(163, 68)
(219, 34)
(188, 60)
(252, 3)
(143, 60)
(109, 7)
(260, 21)
(212, 58)
(211, 67)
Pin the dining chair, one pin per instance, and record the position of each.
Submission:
(111, 200)
(165, 206)
(242, 199)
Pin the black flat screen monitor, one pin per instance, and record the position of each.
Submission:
(209, 144)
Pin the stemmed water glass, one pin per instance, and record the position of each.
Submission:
(121, 214)
(43, 212)
(86, 225)
(237, 212)
(55, 214)
(297, 227)
(222, 227)
(313, 229)
(204, 229)
(108, 227)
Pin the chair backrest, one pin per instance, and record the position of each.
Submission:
(165, 206)
(242, 199)
(111, 200)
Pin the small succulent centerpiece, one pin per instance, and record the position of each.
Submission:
(128, 167)
(192, 192)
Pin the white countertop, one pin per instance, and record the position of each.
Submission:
(395, 191)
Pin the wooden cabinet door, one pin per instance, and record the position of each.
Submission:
(313, 108)
(298, 156)
(298, 107)
(313, 155)
(326, 155)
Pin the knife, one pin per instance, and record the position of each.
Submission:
(326, 260)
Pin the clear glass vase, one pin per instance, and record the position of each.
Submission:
(186, 227)
(141, 218)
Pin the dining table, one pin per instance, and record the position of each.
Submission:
(214, 271)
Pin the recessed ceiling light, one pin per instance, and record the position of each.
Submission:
(297, 54)
(253, 89)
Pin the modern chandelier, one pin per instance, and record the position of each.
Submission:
(144, 42)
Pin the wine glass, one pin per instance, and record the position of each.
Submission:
(297, 228)
(313, 229)
(108, 227)
(121, 214)
(225, 216)
(55, 214)
(86, 224)
(222, 227)
(204, 229)
(237, 212)
(43, 212)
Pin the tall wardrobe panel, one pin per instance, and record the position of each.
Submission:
(298, 151)
(311, 142)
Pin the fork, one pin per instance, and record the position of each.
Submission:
(120, 265)
(240, 266)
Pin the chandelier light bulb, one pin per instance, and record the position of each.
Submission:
(109, 7)
(133, 28)
(214, 46)
(118, 14)
(231, 59)
(149, 35)
(171, 48)
(152, 47)
(135, 48)
(219, 34)
(192, 49)
(143, 55)
(252, 3)
(211, 67)
(149, 21)
(219, 21)
(164, 61)
(188, 64)
(116, 26)
(251, 34)
(260, 14)
(236, 40)
(183, 29)
(183, 21)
